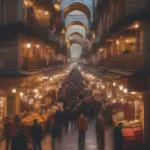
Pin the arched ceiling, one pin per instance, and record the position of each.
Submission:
(73, 41)
(77, 6)
(76, 23)
(77, 15)
(74, 34)
(75, 37)
(76, 28)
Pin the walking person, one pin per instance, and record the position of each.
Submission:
(109, 136)
(118, 137)
(19, 142)
(56, 130)
(37, 135)
(73, 117)
(6, 132)
(66, 116)
(82, 126)
(101, 129)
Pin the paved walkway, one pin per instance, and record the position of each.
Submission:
(70, 141)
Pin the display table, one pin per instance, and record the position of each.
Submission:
(133, 137)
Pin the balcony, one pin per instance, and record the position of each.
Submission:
(131, 61)
(122, 13)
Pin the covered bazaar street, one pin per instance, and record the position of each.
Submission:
(76, 82)
(74, 74)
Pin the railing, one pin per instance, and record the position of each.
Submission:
(121, 9)
(32, 64)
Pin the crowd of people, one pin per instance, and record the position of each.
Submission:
(57, 124)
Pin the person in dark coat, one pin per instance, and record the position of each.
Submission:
(56, 131)
(118, 137)
(73, 117)
(7, 132)
(37, 135)
(66, 116)
(19, 142)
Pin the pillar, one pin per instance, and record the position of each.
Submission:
(13, 104)
(145, 45)
(146, 99)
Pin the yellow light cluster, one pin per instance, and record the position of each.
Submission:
(29, 45)
(99, 84)
(39, 92)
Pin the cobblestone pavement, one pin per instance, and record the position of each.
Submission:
(70, 141)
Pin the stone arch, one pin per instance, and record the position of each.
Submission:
(76, 22)
(78, 5)
(74, 33)
(75, 41)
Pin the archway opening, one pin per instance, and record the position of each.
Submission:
(76, 22)
(77, 6)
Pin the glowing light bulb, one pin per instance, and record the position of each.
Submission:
(114, 84)
(14, 90)
(46, 13)
(133, 93)
(125, 90)
(28, 45)
(21, 94)
(121, 87)
(36, 90)
(37, 46)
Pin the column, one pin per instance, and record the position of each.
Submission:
(13, 104)
(146, 44)
(146, 99)
(146, 96)
(20, 10)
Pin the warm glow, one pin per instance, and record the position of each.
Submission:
(117, 42)
(57, 7)
(125, 90)
(14, 90)
(37, 46)
(21, 94)
(28, 45)
(40, 96)
(27, 3)
(122, 100)
(127, 41)
(63, 31)
(103, 87)
(121, 87)
(101, 50)
(136, 26)
(46, 13)
(133, 93)
(36, 90)
(114, 84)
